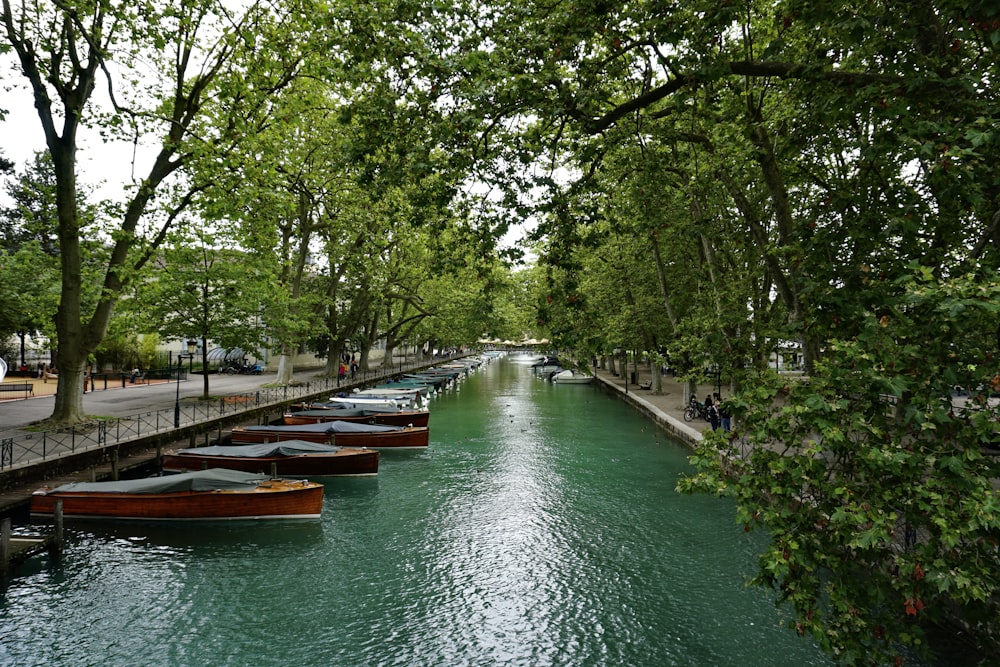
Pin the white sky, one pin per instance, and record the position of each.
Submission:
(104, 166)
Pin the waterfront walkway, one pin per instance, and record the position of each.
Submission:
(665, 408)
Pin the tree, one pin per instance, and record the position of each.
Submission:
(874, 482)
(202, 292)
(827, 154)
(63, 50)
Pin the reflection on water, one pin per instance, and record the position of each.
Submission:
(204, 537)
(540, 528)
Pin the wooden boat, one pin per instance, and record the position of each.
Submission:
(359, 416)
(291, 457)
(435, 380)
(345, 434)
(203, 494)
(569, 376)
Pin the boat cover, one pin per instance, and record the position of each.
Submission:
(286, 448)
(327, 427)
(199, 480)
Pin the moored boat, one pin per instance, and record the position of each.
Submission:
(358, 416)
(546, 365)
(394, 392)
(291, 457)
(413, 397)
(570, 376)
(203, 494)
(345, 434)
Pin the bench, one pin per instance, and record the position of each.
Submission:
(24, 387)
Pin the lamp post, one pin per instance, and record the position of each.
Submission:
(177, 401)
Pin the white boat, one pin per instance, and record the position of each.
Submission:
(546, 365)
(570, 376)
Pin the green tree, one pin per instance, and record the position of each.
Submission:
(63, 51)
(875, 482)
(202, 292)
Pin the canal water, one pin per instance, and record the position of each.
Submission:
(540, 528)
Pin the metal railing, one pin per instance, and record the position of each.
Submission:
(33, 448)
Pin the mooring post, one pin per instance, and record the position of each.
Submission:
(58, 541)
(274, 469)
(4, 546)
(114, 464)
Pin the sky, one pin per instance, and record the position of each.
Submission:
(106, 167)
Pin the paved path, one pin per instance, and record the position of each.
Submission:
(666, 407)
(118, 401)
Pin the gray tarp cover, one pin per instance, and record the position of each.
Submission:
(326, 427)
(200, 480)
(286, 448)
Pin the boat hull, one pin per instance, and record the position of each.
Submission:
(410, 418)
(277, 499)
(348, 462)
(416, 437)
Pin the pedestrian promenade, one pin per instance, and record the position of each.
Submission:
(666, 408)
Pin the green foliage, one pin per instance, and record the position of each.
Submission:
(874, 480)
(202, 292)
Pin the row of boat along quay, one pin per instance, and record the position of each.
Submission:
(540, 526)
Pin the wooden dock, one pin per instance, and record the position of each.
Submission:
(15, 549)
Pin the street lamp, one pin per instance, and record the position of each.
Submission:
(716, 371)
(177, 401)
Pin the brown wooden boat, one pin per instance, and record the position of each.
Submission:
(344, 434)
(357, 416)
(291, 458)
(203, 494)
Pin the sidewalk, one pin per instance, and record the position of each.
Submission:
(666, 407)
(117, 401)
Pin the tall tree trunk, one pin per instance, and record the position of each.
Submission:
(285, 374)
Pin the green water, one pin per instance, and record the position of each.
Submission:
(540, 528)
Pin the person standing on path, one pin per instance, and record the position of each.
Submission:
(713, 411)
(725, 417)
